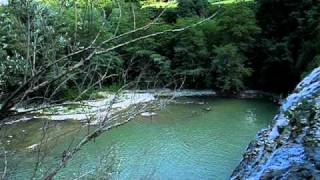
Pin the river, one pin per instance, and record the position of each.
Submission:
(195, 138)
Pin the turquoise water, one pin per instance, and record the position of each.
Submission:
(184, 141)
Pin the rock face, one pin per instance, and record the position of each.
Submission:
(290, 149)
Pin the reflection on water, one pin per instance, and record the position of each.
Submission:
(200, 140)
(251, 116)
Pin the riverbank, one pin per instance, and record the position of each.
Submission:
(290, 148)
(110, 103)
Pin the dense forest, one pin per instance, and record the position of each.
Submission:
(267, 45)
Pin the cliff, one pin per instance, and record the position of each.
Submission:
(290, 148)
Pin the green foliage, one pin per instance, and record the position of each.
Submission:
(79, 3)
(170, 16)
(278, 39)
(13, 67)
(289, 42)
(158, 3)
(237, 24)
(190, 54)
(12, 71)
(218, 2)
(92, 93)
(193, 8)
(146, 63)
(229, 66)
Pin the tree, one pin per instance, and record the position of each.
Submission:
(190, 56)
(229, 67)
(237, 24)
(193, 8)
(289, 41)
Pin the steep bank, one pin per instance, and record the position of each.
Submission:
(290, 149)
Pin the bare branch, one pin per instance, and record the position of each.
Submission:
(4, 173)
(119, 18)
(97, 132)
(156, 34)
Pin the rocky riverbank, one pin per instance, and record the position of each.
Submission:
(108, 104)
(290, 149)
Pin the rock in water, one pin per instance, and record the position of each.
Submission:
(148, 114)
(290, 149)
(33, 147)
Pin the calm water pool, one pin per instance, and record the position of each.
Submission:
(184, 141)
